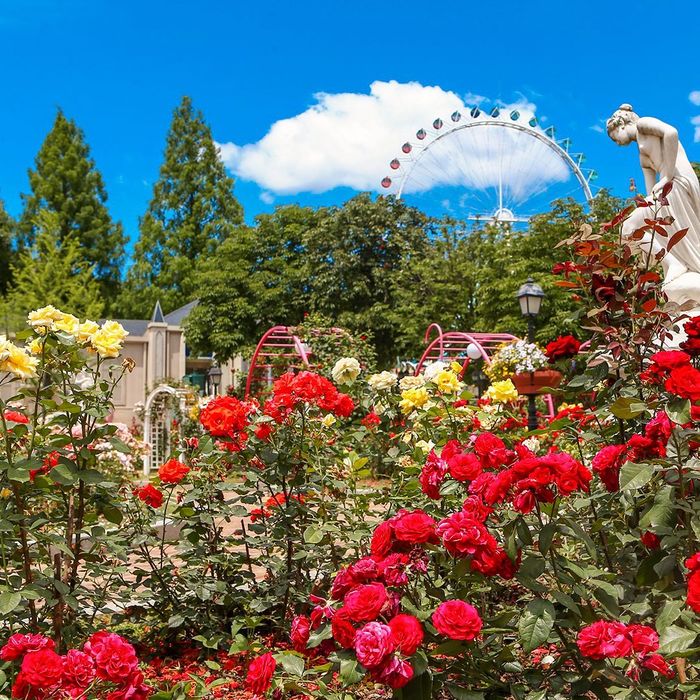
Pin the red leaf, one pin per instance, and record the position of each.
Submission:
(666, 189)
(649, 305)
(675, 238)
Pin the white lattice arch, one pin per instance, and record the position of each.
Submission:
(155, 424)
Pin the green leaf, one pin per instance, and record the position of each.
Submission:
(536, 624)
(420, 688)
(661, 512)
(634, 476)
(679, 411)
(627, 408)
(291, 663)
(9, 601)
(668, 615)
(351, 672)
(313, 535)
(546, 535)
(675, 639)
(63, 474)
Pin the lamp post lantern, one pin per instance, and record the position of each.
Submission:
(214, 375)
(530, 296)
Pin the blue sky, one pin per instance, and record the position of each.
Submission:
(119, 69)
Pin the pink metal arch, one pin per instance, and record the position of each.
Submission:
(452, 347)
(278, 343)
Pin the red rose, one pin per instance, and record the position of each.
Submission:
(606, 464)
(150, 495)
(260, 672)
(15, 417)
(464, 536)
(692, 330)
(366, 602)
(342, 629)
(432, 475)
(364, 570)
(78, 671)
(42, 669)
(344, 406)
(465, 466)
(342, 583)
(226, 416)
(136, 690)
(562, 348)
(114, 657)
(491, 450)
(382, 539)
(457, 620)
(604, 640)
(173, 472)
(371, 420)
(650, 540)
(670, 359)
(407, 633)
(373, 643)
(392, 569)
(644, 639)
(263, 431)
(301, 630)
(395, 673)
(684, 382)
(657, 663)
(19, 644)
(693, 598)
(475, 508)
(415, 527)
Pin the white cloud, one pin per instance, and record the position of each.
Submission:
(348, 139)
(695, 121)
(598, 128)
(267, 197)
(694, 97)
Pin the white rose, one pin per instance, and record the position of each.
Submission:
(382, 381)
(345, 370)
(433, 369)
(411, 382)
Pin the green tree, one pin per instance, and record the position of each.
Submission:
(192, 211)
(7, 232)
(53, 271)
(66, 181)
(513, 256)
(352, 257)
(257, 279)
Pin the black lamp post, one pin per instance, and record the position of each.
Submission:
(530, 296)
(215, 377)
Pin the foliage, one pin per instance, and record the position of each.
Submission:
(7, 231)
(52, 269)
(66, 182)
(257, 279)
(192, 211)
(57, 508)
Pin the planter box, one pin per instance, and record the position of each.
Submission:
(536, 382)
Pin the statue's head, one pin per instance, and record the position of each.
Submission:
(622, 126)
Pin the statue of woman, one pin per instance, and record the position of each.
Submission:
(662, 156)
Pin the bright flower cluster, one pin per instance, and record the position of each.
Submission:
(106, 340)
(515, 358)
(106, 667)
(616, 640)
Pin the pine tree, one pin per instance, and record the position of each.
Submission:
(192, 211)
(67, 182)
(7, 228)
(53, 271)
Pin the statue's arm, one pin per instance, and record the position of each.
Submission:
(669, 145)
(649, 180)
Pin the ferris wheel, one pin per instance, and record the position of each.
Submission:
(491, 166)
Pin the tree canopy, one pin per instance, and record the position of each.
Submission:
(65, 181)
(192, 211)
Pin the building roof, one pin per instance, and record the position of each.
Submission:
(177, 317)
(138, 327)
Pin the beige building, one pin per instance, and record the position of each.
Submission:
(160, 353)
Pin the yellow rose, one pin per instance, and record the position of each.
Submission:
(447, 382)
(44, 317)
(35, 346)
(502, 392)
(412, 399)
(345, 370)
(456, 367)
(107, 341)
(86, 330)
(67, 323)
(16, 360)
(328, 420)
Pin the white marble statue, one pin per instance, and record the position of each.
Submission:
(663, 160)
